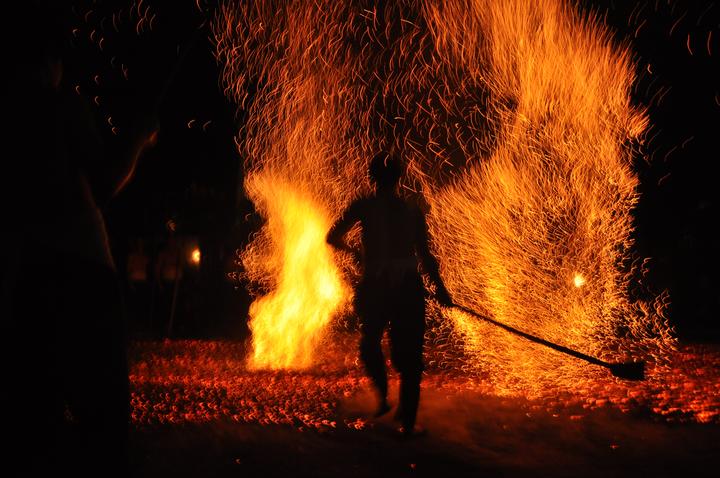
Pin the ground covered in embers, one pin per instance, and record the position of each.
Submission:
(197, 411)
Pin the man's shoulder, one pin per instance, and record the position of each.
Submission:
(417, 204)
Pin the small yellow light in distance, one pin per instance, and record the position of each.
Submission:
(195, 256)
(579, 280)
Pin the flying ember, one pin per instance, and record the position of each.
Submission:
(515, 124)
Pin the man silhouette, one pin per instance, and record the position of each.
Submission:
(391, 292)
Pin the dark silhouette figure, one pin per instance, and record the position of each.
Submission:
(65, 377)
(391, 291)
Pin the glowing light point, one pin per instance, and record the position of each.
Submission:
(579, 280)
(195, 256)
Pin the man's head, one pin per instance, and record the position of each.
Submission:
(385, 171)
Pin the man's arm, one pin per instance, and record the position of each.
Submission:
(109, 169)
(143, 136)
(336, 235)
(429, 262)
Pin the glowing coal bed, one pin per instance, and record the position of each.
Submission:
(194, 381)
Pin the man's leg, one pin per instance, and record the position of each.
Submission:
(374, 361)
(410, 368)
(372, 326)
(407, 331)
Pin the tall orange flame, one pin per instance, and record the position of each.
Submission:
(288, 323)
(514, 119)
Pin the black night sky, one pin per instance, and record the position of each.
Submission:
(676, 52)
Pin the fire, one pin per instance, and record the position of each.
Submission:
(299, 172)
(515, 121)
(288, 323)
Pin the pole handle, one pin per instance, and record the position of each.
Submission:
(537, 340)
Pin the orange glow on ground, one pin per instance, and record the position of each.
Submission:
(202, 381)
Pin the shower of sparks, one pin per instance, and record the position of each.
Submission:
(514, 120)
(548, 207)
(99, 30)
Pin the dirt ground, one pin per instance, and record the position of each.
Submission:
(469, 434)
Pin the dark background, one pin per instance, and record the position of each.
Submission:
(186, 191)
(677, 49)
